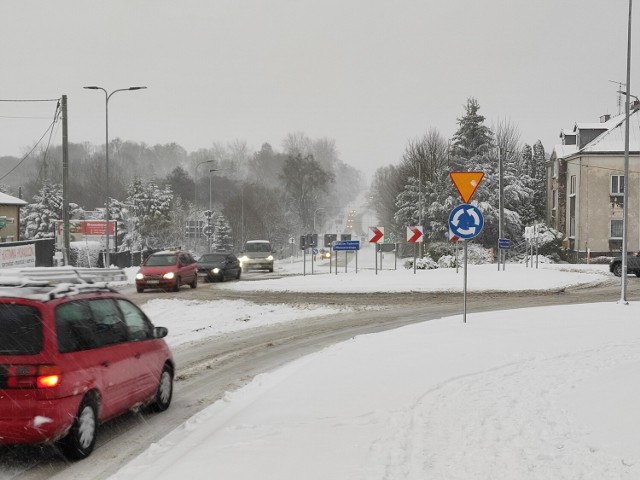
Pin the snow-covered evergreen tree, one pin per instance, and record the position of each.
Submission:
(222, 240)
(38, 218)
(540, 181)
(148, 218)
(473, 138)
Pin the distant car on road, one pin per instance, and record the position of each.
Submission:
(219, 266)
(633, 265)
(167, 270)
(257, 254)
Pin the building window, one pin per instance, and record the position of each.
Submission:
(572, 216)
(617, 184)
(616, 228)
(572, 185)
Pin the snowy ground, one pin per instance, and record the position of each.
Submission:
(542, 393)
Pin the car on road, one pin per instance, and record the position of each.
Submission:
(257, 254)
(219, 266)
(167, 270)
(633, 265)
(73, 355)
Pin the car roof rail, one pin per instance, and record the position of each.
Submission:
(42, 276)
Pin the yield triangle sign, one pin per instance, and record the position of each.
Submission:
(466, 183)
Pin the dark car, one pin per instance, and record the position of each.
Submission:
(219, 266)
(633, 265)
(168, 270)
(73, 355)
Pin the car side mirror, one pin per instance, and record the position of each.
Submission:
(160, 332)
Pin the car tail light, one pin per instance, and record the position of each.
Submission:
(32, 376)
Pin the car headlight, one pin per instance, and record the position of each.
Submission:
(139, 276)
(270, 258)
(168, 276)
(244, 258)
(215, 270)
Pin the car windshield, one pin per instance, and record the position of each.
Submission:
(212, 257)
(20, 330)
(257, 247)
(161, 260)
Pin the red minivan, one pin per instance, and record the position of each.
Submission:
(73, 356)
(167, 270)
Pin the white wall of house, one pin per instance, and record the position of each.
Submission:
(595, 206)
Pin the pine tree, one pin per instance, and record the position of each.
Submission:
(473, 138)
(148, 216)
(540, 181)
(222, 240)
(38, 218)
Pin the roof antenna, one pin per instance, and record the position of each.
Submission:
(620, 85)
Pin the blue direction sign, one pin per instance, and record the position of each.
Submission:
(504, 243)
(346, 245)
(466, 221)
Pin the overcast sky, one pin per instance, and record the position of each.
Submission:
(370, 74)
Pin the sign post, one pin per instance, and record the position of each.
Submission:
(415, 235)
(376, 234)
(466, 221)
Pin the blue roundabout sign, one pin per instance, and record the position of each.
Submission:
(466, 221)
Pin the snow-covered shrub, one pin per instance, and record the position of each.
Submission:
(84, 254)
(447, 261)
(424, 263)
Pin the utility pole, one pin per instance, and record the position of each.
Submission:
(65, 182)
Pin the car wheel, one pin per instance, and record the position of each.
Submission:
(617, 269)
(271, 270)
(139, 289)
(194, 284)
(164, 394)
(238, 274)
(81, 439)
(637, 272)
(176, 286)
(223, 276)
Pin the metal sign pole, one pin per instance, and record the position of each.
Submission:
(345, 260)
(464, 288)
(304, 261)
(375, 252)
(356, 261)
(415, 255)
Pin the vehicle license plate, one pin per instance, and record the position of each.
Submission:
(153, 282)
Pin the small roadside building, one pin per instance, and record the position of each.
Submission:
(585, 178)
(10, 217)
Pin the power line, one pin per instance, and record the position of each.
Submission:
(29, 100)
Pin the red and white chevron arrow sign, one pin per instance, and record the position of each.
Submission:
(415, 234)
(376, 234)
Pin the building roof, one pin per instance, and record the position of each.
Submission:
(613, 140)
(9, 200)
(565, 150)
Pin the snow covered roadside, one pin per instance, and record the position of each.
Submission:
(541, 393)
(546, 392)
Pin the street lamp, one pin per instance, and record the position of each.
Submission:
(107, 96)
(314, 218)
(211, 171)
(195, 188)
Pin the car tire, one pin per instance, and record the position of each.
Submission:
(81, 439)
(139, 289)
(164, 394)
(194, 284)
(239, 274)
(271, 270)
(176, 285)
(637, 272)
(617, 269)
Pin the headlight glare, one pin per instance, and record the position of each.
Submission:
(139, 276)
(168, 275)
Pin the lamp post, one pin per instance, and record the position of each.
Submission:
(314, 218)
(107, 96)
(625, 206)
(210, 172)
(195, 178)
